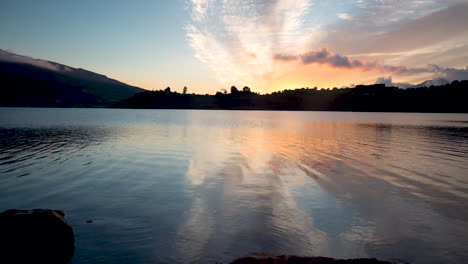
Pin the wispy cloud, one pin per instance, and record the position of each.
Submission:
(199, 8)
(239, 43)
(248, 41)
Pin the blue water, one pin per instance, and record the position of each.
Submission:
(176, 186)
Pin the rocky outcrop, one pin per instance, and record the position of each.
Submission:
(265, 258)
(35, 236)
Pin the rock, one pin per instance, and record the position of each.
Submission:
(35, 236)
(266, 258)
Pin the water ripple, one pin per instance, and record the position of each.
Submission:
(205, 186)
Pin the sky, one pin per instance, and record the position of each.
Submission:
(269, 45)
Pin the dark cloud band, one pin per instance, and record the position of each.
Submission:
(325, 57)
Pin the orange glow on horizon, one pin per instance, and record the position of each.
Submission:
(295, 75)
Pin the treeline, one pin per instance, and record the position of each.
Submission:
(369, 98)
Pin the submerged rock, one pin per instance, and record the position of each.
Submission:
(35, 236)
(266, 258)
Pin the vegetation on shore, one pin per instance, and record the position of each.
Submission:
(373, 98)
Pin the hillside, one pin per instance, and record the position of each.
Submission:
(25, 81)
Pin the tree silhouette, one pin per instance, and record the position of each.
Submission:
(167, 90)
(367, 98)
(234, 90)
(185, 90)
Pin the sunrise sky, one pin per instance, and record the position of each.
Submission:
(208, 45)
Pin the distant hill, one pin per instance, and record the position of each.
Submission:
(435, 82)
(428, 83)
(26, 81)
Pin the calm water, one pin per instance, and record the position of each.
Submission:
(165, 186)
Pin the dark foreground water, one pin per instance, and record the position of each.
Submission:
(165, 186)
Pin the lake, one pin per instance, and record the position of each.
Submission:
(182, 186)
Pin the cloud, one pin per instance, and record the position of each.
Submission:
(389, 82)
(325, 57)
(398, 26)
(199, 8)
(282, 57)
(247, 41)
(450, 74)
(11, 57)
(239, 42)
(385, 80)
(345, 16)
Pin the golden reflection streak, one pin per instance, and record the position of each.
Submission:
(262, 159)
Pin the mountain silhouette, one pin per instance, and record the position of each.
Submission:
(26, 81)
(435, 82)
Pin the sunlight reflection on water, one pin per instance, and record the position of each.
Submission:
(167, 186)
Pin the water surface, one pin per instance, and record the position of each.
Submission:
(174, 186)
